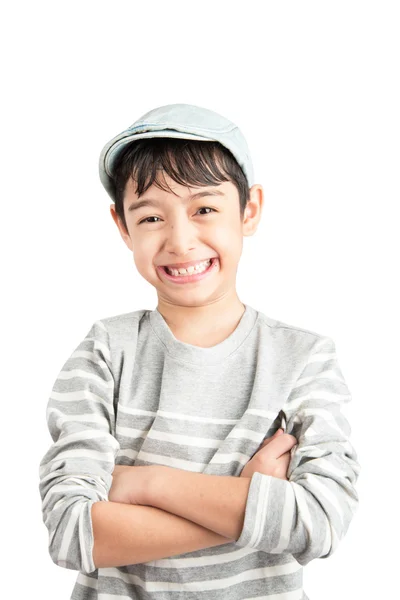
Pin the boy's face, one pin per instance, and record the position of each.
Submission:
(180, 230)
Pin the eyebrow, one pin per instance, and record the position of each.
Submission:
(153, 202)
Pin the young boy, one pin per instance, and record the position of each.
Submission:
(155, 485)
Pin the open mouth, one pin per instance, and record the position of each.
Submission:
(194, 276)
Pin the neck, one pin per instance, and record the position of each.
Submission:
(205, 324)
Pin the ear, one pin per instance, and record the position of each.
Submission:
(252, 213)
(121, 228)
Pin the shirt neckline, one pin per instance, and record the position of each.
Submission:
(196, 354)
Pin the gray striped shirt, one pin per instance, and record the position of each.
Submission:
(133, 394)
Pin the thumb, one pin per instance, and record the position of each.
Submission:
(276, 434)
(279, 432)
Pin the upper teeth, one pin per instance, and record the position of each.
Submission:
(201, 266)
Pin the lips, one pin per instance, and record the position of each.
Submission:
(181, 279)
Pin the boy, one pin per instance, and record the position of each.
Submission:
(155, 485)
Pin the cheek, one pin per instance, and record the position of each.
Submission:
(142, 264)
(144, 251)
(229, 243)
(144, 258)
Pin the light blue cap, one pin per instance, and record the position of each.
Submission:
(185, 121)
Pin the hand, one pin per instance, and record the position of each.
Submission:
(273, 458)
(130, 484)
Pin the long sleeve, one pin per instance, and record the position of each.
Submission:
(76, 471)
(309, 514)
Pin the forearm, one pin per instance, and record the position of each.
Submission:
(212, 501)
(126, 534)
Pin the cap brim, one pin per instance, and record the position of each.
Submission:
(113, 148)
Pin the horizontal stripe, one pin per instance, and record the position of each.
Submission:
(202, 585)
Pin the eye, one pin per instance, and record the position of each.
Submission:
(147, 220)
(208, 208)
(202, 208)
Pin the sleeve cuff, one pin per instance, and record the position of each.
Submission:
(262, 527)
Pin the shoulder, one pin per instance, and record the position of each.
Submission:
(118, 331)
(117, 337)
(292, 336)
(121, 320)
(278, 325)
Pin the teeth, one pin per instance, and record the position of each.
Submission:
(199, 268)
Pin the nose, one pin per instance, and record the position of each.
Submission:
(179, 238)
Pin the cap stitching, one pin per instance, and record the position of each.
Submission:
(167, 125)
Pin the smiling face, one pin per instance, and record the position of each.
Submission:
(177, 227)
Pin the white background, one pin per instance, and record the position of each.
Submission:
(314, 86)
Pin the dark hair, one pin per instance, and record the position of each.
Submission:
(188, 162)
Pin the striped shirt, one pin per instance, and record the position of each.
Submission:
(133, 394)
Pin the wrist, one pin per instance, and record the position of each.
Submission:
(155, 479)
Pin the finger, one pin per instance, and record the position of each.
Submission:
(284, 444)
(283, 465)
(278, 433)
(275, 435)
(281, 444)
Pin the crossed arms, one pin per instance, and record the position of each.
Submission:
(193, 511)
